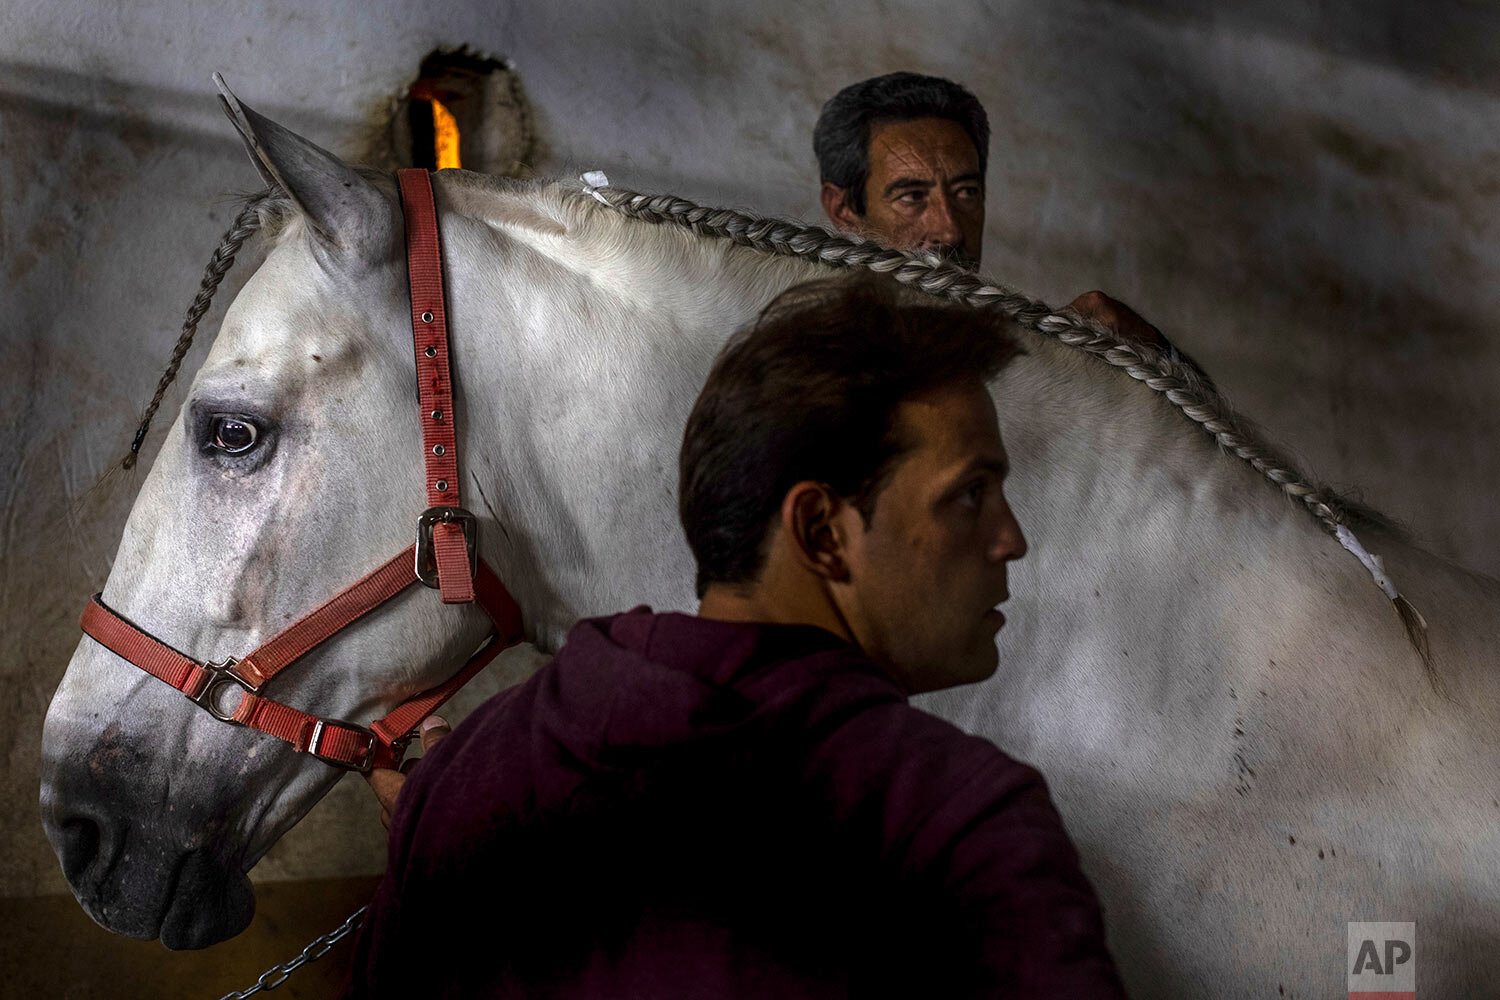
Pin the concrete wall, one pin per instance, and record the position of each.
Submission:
(1303, 199)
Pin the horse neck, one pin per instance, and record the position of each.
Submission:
(1172, 596)
(1132, 516)
(580, 356)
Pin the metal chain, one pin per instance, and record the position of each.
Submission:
(316, 949)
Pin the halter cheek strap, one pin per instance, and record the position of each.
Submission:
(446, 528)
(445, 556)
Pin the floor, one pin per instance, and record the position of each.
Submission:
(50, 948)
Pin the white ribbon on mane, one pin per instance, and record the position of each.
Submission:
(593, 180)
(1371, 562)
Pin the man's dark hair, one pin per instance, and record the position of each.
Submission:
(809, 391)
(841, 138)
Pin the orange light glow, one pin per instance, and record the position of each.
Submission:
(445, 135)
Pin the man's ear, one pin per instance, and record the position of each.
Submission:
(836, 206)
(808, 512)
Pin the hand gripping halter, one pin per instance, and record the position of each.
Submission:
(445, 557)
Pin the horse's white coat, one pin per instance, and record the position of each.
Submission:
(1242, 742)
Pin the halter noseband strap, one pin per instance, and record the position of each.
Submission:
(445, 557)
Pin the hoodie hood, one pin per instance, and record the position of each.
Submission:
(639, 682)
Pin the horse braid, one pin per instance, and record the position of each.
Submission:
(1163, 370)
(244, 226)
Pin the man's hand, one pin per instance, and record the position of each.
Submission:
(386, 783)
(1116, 315)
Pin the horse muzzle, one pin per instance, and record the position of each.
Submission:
(140, 862)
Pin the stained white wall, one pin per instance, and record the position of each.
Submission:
(1303, 198)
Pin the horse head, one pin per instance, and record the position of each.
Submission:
(292, 469)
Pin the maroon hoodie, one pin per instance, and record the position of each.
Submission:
(680, 807)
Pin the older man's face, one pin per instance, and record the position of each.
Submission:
(924, 190)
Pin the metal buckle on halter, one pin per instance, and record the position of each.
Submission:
(399, 746)
(320, 726)
(220, 674)
(426, 561)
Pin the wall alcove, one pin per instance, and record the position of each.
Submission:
(464, 109)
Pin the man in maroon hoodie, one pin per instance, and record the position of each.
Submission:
(742, 803)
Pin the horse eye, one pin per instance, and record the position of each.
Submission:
(234, 437)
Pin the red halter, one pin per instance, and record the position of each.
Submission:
(445, 557)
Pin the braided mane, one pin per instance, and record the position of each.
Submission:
(1162, 369)
(1165, 371)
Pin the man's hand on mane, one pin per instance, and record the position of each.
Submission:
(1116, 315)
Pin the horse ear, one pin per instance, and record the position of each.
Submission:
(346, 211)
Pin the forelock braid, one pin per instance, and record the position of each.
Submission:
(244, 226)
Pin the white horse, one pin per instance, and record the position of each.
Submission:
(1245, 747)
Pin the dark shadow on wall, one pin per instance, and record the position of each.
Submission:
(1455, 42)
(1347, 208)
(150, 114)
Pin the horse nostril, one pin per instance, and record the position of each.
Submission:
(78, 847)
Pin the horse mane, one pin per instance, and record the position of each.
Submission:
(1162, 369)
